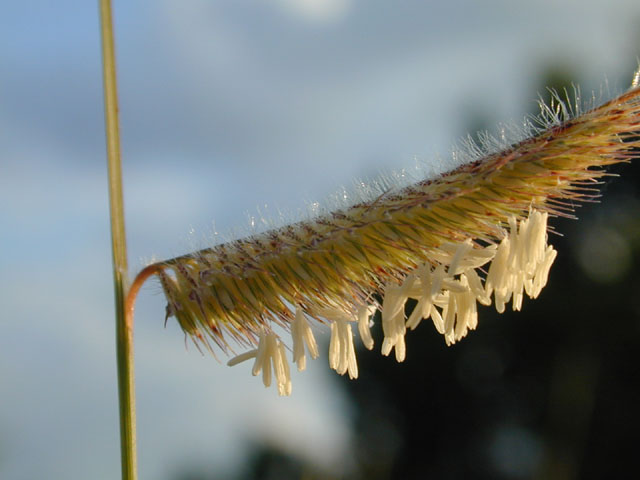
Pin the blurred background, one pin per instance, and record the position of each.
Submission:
(239, 113)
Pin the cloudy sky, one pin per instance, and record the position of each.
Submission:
(230, 110)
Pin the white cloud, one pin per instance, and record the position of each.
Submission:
(318, 11)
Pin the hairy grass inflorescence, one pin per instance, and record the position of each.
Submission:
(475, 234)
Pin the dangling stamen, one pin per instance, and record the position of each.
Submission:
(302, 335)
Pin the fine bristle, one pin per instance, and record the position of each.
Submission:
(430, 241)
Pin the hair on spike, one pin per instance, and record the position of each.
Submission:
(475, 234)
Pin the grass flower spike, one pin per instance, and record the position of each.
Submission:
(477, 234)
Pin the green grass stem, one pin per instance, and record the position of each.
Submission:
(124, 329)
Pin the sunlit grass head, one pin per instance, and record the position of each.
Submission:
(476, 234)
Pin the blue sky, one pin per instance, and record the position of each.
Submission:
(225, 107)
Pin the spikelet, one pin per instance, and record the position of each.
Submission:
(430, 241)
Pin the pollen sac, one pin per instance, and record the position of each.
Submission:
(302, 335)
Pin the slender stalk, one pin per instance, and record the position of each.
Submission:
(124, 330)
(130, 300)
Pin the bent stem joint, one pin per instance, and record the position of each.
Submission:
(132, 294)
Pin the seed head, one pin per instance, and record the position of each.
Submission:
(431, 241)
